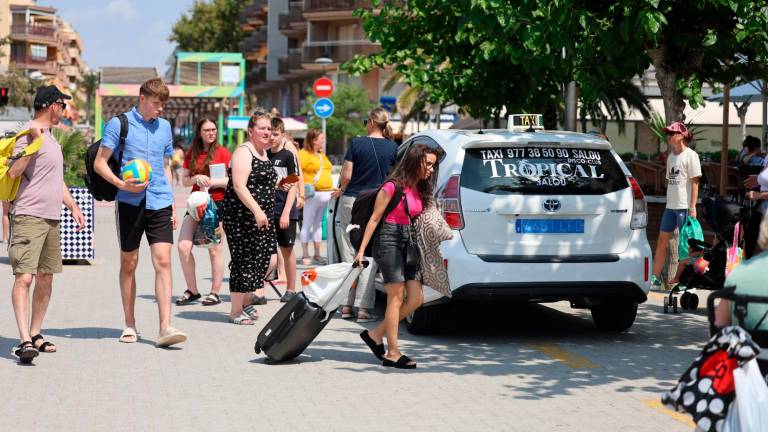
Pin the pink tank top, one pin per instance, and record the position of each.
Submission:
(398, 215)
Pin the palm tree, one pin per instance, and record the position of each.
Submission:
(89, 84)
(614, 103)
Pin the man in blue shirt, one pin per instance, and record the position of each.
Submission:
(144, 208)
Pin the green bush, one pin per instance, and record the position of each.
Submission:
(73, 147)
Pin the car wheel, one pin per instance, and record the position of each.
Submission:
(425, 320)
(615, 315)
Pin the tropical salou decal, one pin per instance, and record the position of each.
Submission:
(542, 166)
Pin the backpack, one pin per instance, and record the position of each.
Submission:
(362, 210)
(101, 189)
(8, 186)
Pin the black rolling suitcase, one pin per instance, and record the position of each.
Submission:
(297, 324)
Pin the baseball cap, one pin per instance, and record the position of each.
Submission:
(677, 127)
(46, 95)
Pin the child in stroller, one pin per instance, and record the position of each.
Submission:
(705, 268)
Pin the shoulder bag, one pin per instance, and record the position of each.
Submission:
(309, 189)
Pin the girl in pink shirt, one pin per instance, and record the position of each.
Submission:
(415, 177)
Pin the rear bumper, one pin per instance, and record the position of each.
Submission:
(551, 291)
(547, 279)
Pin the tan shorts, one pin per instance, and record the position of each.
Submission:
(35, 245)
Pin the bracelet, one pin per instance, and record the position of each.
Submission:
(301, 196)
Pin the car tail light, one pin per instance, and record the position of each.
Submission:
(450, 203)
(639, 207)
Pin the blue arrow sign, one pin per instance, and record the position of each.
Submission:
(323, 108)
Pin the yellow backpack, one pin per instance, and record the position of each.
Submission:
(9, 186)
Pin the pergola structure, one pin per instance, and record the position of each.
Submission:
(204, 84)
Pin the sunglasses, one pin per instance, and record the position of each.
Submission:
(63, 105)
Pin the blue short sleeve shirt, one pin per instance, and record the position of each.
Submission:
(149, 140)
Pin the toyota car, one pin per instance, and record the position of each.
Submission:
(538, 216)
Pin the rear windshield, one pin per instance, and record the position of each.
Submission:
(542, 171)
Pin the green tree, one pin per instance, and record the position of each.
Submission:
(210, 26)
(21, 88)
(486, 55)
(351, 107)
(89, 85)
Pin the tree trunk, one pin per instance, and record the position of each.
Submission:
(667, 81)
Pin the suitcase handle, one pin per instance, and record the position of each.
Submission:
(364, 263)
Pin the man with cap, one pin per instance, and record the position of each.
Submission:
(683, 174)
(34, 248)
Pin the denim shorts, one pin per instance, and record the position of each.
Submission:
(390, 251)
(673, 218)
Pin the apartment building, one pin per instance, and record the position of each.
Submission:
(304, 40)
(42, 45)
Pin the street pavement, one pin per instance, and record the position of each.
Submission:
(496, 367)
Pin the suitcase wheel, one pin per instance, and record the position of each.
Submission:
(257, 348)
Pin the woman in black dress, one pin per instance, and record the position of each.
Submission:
(248, 204)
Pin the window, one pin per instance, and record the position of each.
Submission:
(38, 52)
(542, 170)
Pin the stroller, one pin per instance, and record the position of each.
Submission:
(722, 215)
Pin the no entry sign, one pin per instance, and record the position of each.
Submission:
(323, 87)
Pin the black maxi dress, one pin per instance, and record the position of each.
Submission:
(250, 247)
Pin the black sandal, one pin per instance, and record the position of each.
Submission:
(26, 351)
(43, 348)
(187, 298)
(211, 300)
(404, 362)
(376, 349)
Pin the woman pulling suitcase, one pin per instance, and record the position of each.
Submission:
(395, 248)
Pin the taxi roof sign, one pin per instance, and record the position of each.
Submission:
(525, 122)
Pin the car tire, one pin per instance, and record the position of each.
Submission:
(614, 315)
(425, 320)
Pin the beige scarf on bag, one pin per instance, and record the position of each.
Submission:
(431, 229)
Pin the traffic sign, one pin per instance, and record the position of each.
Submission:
(323, 87)
(323, 108)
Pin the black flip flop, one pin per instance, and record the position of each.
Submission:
(376, 349)
(187, 299)
(26, 351)
(43, 346)
(404, 362)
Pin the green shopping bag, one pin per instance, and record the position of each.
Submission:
(691, 230)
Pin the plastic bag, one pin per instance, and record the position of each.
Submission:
(751, 397)
(197, 204)
(732, 420)
(329, 285)
(208, 232)
(691, 230)
(734, 253)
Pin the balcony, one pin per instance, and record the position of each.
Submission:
(256, 76)
(338, 51)
(34, 33)
(46, 67)
(293, 24)
(253, 15)
(290, 64)
(313, 6)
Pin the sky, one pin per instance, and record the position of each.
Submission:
(123, 32)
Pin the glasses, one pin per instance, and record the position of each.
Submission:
(212, 130)
(63, 105)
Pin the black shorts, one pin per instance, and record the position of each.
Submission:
(390, 248)
(134, 221)
(285, 237)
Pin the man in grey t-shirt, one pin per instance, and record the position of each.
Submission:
(34, 247)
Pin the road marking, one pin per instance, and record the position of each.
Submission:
(682, 418)
(568, 358)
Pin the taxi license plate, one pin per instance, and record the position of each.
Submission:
(549, 226)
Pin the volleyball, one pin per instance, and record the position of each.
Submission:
(137, 169)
